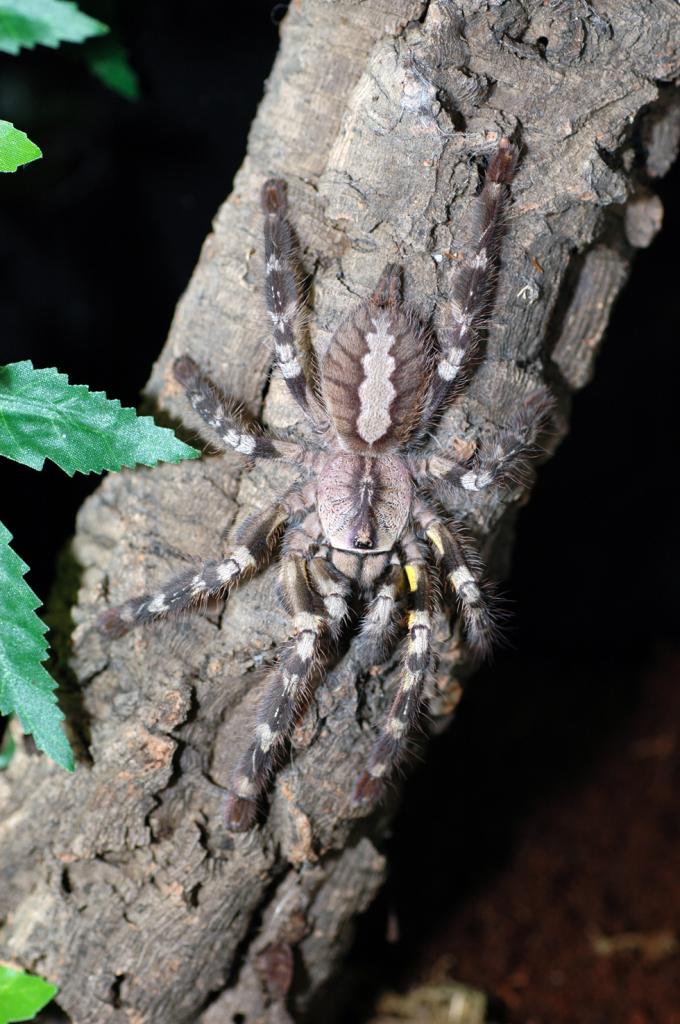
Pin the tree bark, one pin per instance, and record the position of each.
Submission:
(121, 884)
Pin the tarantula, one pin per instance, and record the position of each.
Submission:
(364, 517)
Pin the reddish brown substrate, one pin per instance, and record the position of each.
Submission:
(600, 859)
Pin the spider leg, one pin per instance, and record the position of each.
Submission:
(255, 539)
(223, 415)
(505, 459)
(462, 576)
(380, 622)
(391, 744)
(306, 541)
(333, 587)
(463, 314)
(284, 699)
(282, 292)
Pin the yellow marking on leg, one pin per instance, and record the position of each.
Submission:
(419, 619)
(412, 576)
(434, 538)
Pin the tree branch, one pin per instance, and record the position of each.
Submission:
(121, 884)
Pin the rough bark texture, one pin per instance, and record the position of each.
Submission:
(120, 883)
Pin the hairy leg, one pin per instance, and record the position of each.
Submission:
(333, 588)
(306, 541)
(285, 697)
(462, 574)
(392, 742)
(282, 287)
(504, 459)
(254, 541)
(223, 415)
(381, 621)
(462, 316)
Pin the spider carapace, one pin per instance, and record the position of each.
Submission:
(364, 513)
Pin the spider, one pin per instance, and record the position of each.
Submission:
(363, 516)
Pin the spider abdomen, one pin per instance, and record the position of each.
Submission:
(374, 375)
(364, 501)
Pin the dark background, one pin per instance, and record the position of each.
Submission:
(97, 242)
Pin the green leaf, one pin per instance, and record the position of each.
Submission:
(22, 995)
(7, 748)
(108, 61)
(15, 147)
(43, 416)
(25, 23)
(26, 688)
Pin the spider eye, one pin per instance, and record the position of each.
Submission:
(363, 544)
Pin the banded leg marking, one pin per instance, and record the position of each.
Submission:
(506, 458)
(405, 708)
(255, 539)
(333, 588)
(284, 699)
(222, 415)
(380, 622)
(462, 578)
(461, 317)
(282, 290)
